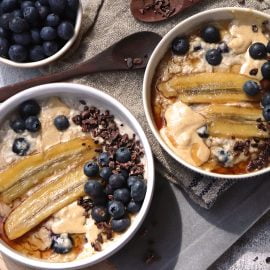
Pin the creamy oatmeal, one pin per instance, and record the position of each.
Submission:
(210, 98)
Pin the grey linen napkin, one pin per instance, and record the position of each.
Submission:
(107, 21)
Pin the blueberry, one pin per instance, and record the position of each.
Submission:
(93, 188)
(138, 191)
(31, 14)
(16, 13)
(8, 5)
(38, 4)
(266, 112)
(131, 180)
(4, 33)
(58, 6)
(251, 88)
(91, 169)
(26, 4)
(268, 47)
(105, 173)
(266, 70)
(18, 25)
(100, 213)
(213, 57)
(257, 50)
(35, 34)
(48, 33)
(122, 194)
(73, 4)
(65, 30)
(103, 159)
(116, 209)
(108, 190)
(36, 53)
(116, 180)
(62, 243)
(50, 47)
(17, 53)
(20, 146)
(4, 46)
(125, 173)
(18, 125)
(100, 200)
(210, 34)
(52, 20)
(70, 14)
(43, 12)
(120, 225)
(134, 207)
(28, 108)
(24, 38)
(180, 45)
(32, 124)
(61, 122)
(123, 155)
(266, 99)
(4, 20)
(223, 156)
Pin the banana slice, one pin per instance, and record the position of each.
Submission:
(227, 128)
(45, 202)
(207, 88)
(27, 172)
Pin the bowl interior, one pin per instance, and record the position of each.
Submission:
(184, 28)
(100, 100)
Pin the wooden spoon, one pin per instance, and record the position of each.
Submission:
(130, 53)
(158, 10)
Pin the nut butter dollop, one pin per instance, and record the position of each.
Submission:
(181, 136)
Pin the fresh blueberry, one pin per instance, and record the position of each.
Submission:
(73, 4)
(48, 33)
(138, 191)
(52, 20)
(18, 125)
(134, 207)
(120, 225)
(43, 12)
(32, 124)
(4, 20)
(35, 34)
(105, 173)
(36, 53)
(266, 99)
(251, 88)
(38, 4)
(26, 4)
(266, 112)
(62, 244)
(210, 34)
(122, 194)
(70, 14)
(20, 146)
(125, 173)
(222, 156)
(65, 30)
(16, 13)
(123, 155)
(28, 108)
(100, 200)
(4, 33)
(268, 47)
(116, 180)
(213, 57)
(100, 213)
(91, 169)
(103, 159)
(18, 25)
(61, 122)
(180, 45)
(257, 50)
(4, 46)
(108, 190)
(266, 70)
(50, 47)
(131, 180)
(31, 14)
(24, 38)
(8, 5)
(58, 6)
(17, 53)
(93, 188)
(116, 209)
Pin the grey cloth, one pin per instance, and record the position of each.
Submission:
(113, 22)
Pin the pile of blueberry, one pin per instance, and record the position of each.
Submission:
(117, 194)
(31, 30)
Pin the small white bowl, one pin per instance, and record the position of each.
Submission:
(100, 100)
(183, 28)
(55, 56)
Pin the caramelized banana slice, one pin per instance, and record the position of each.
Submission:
(29, 171)
(207, 88)
(45, 202)
(226, 128)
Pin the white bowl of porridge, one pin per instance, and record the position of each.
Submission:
(76, 176)
(206, 94)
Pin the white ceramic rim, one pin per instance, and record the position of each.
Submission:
(52, 90)
(55, 56)
(148, 79)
